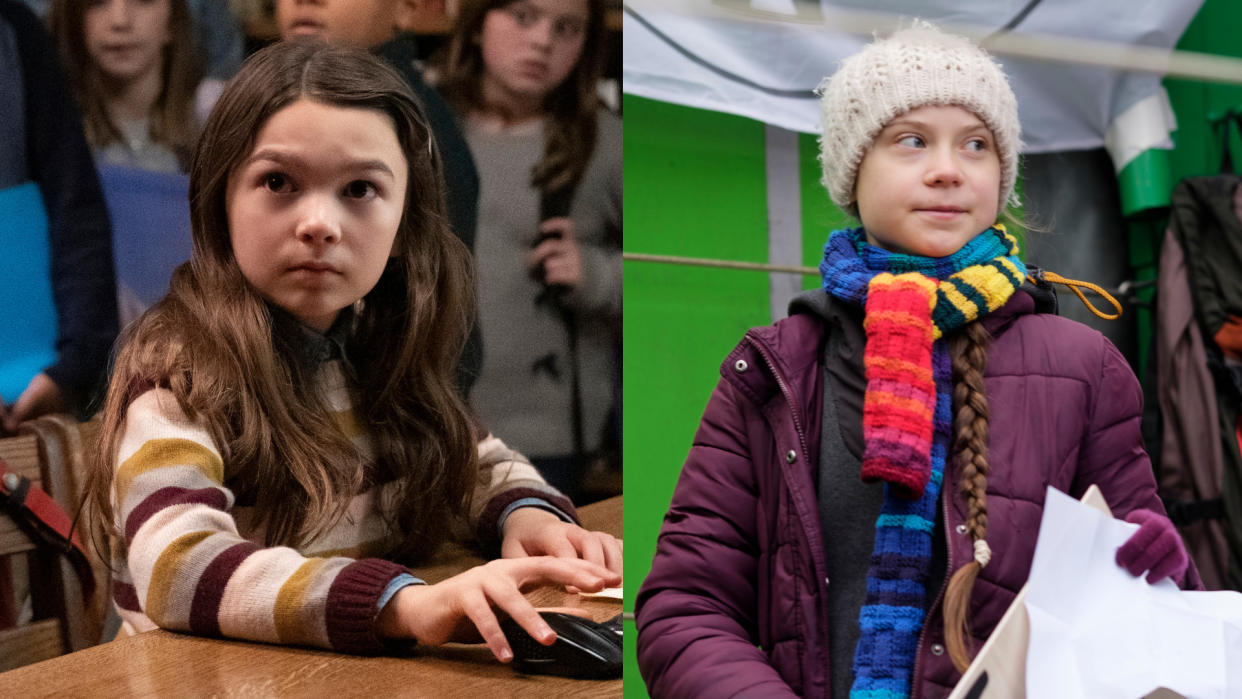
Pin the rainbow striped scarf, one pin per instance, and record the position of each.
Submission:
(911, 302)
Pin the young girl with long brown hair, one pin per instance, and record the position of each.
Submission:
(286, 421)
(522, 76)
(133, 68)
(930, 364)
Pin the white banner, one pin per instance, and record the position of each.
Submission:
(766, 70)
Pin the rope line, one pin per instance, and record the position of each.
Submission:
(1074, 285)
(723, 264)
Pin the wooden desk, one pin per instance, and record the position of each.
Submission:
(163, 663)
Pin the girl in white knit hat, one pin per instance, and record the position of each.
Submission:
(931, 357)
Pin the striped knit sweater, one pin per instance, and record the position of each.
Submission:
(188, 558)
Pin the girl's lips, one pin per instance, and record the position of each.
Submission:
(533, 68)
(305, 28)
(316, 267)
(120, 48)
(944, 213)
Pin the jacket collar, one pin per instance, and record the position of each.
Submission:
(310, 346)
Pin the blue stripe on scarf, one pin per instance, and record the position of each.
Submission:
(900, 521)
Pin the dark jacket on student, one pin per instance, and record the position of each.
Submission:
(737, 602)
(41, 140)
(461, 178)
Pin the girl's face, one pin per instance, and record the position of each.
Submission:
(529, 47)
(126, 38)
(930, 182)
(314, 209)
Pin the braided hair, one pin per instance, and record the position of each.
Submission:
(968, 350)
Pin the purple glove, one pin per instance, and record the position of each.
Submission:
(1156, 547)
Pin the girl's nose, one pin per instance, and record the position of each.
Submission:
(541, 33)
(119, 12)
(943, 169)
(318, 222)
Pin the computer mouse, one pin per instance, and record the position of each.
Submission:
(583, 649)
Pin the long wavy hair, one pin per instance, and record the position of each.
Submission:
(171, 120)
(210, 340)
(570, 107)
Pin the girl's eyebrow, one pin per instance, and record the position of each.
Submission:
(908, 122)
(290, 160)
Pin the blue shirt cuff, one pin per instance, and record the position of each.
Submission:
(397, 583)
(530, 502)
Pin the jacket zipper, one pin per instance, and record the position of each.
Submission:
(785, 391)
(793, 412)
(915, 685)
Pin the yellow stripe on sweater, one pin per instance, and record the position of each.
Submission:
(291, 604)
(158, 453)
(164, 576)
(366, 549)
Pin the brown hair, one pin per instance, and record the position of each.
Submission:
(210, 340)
(969, 352)
(570, 107)
(172, 116)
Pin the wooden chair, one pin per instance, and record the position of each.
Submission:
(49, 451)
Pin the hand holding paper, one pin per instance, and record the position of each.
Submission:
(1096, 631)
(1156, 547)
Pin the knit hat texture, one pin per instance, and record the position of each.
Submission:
(912, 68)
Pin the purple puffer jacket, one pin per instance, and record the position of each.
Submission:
(735, 603)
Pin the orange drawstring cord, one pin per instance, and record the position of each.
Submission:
(1074, 284)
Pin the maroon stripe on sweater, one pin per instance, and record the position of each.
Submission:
(125, 596)
(205, 609)
(353, 605)
(167, 497)
(489, 533)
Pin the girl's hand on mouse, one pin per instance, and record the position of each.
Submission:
(530, 531)
(463, 608)
(558, 255)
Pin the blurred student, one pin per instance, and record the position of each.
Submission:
(46, 172)
(522, 75)
(133, 67)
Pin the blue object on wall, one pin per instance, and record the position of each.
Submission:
(28, 313)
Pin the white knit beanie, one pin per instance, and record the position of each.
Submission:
(914, 67)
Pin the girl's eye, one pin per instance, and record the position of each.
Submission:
(524, 16)
(360, 189)
(568, 28)
(977, 144)
(911, 141)
(276, 182)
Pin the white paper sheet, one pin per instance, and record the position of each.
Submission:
(1097, 631)
(607, 592)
